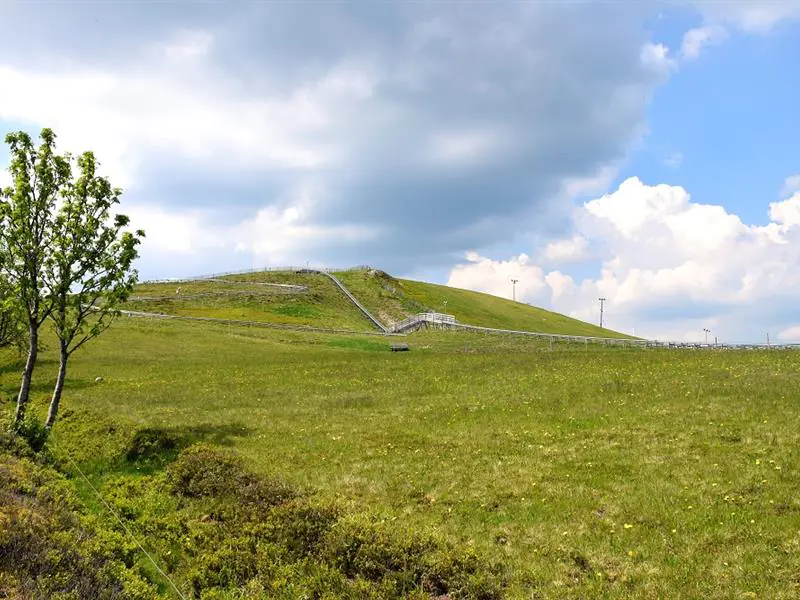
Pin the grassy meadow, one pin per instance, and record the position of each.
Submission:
(588, 472)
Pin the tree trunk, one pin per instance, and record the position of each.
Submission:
(27, 375)
(56, 399)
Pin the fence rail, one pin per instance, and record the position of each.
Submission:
(443, 321)
(219, 321)
(416, 321)
(437, 320)
(212, 276)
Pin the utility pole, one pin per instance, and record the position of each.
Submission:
(514, 289)
(602, 301)
(768, 340)
(707, 331)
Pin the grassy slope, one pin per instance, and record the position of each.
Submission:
(394, 299)
(389, 299)
(322, 306)
(611, 473)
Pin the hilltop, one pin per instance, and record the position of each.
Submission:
(310, 299)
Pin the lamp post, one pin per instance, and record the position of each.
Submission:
(707, 331)
(602, 302)
(514, 289)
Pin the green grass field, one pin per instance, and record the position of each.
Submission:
(588, 472)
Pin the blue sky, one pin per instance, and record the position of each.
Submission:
(731, 116)
(641, 151)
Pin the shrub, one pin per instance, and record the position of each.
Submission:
(13, 444)
(150, 444)
(49, 550)
(408, 562)
(33, 432)
(204, 471)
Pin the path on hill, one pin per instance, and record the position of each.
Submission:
(351, 297)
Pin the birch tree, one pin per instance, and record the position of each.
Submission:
(11, 332)
(90, 272)
(26, 212)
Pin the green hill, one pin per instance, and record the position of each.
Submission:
(322, 305)
(244, 297)
(392, 300)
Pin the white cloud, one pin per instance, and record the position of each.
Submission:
(494, 277)
(785, 213)
(282, 234)
(568, 250)
(670, 267)
(791, 185)
(696, 39)
(173, 233)
(287, 234)
(170, 103)
(722, 17)
(753, 16)
(657, 58)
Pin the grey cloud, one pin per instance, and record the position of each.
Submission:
(34, 34)
(560, 87)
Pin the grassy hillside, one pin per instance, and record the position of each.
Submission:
(393, 299)
(323, 305)
(588, 472)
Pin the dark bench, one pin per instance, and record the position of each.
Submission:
(400, 348)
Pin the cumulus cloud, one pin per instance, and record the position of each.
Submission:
(670, 267)
(429, 129)
(494, 277)
(753, 16)
(726, 16)
(567, 250)
(696, 39)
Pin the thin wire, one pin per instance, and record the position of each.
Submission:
(120, 521)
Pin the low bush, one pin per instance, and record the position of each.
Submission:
(151, 445)
(405, 562)
(259, 534)
(204, 471)
(49, 550)
(219, 531)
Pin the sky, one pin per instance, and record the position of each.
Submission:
(644, 152)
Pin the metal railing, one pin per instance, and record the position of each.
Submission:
(416, 321)
(354, 300)
(441, 320)
(211, 276)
